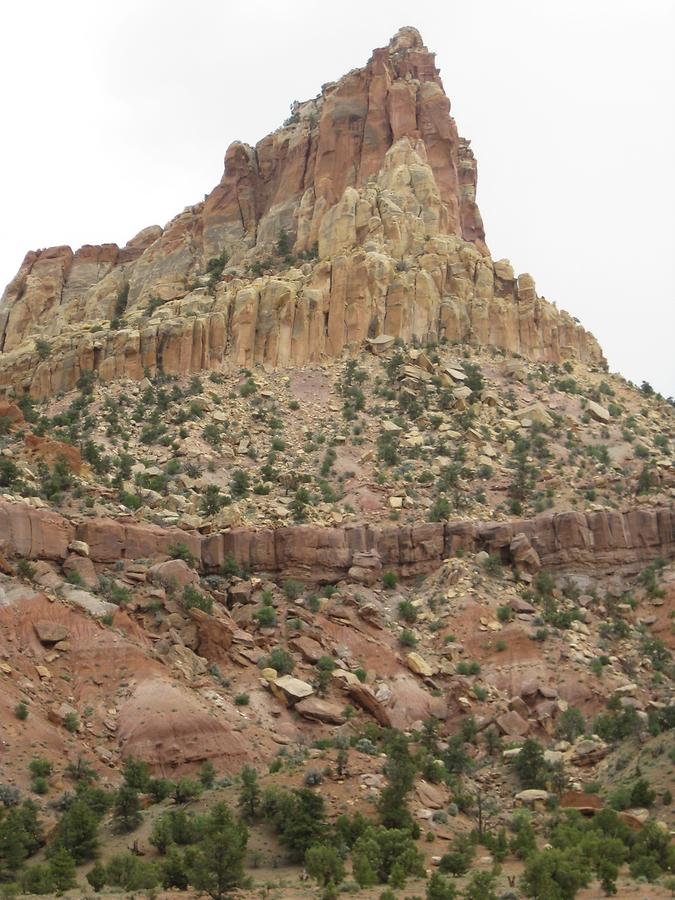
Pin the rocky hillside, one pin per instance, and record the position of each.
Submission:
(310, 506)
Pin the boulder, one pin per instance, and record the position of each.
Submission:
(318, 710)
(512, 723)
(79, 547)
(51, 632)
(291, 690)
(430, 796)
(523, 554)
(88, 602)
(215, 634)
(173, 572)
(587, 752)
(532, 797)
(362, 696)
(419, 665)
(59, 712)
(80, 569)
(597, 412)
(310, 650)
(534, 413)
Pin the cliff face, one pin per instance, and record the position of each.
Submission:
(600, 543)
(376, 193)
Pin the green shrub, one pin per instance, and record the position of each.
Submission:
(39, 767)
(192, 598)
(407, 611)
(468, 668)
(25, 570)
(281, 661)
(529, 765)
(407, 638)
(181, 551)
(265, 617)
(71, 723)
(389, 580)
(292, 589)
(641, 794)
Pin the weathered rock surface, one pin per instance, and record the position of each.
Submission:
(290, 689)
(51, 632)
(373, 174)
(319, 710)
(605, 540)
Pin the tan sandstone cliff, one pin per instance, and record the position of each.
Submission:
(376, 192)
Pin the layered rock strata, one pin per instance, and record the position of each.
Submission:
(374, 191)
(606, 541)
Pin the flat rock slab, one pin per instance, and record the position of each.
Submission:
(320, 711)
(89, 603)
(291, 690)
(51, 632)
(512, 723)
(310, 650)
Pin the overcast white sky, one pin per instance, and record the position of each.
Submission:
(115, 116)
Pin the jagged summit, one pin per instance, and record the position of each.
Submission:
(406, 38)
(373, 192)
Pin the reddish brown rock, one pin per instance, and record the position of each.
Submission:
(606, 541)
(34, 533)
(318, 710)
(10, 411)
(371, 172)
(80, 570)
(310, 650)
(214, 634)
(168, 726)
(513, 724)
(362, 696)
(51, 632)
(173, 573)
(51, 451)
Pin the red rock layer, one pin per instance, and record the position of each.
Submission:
(605, 541)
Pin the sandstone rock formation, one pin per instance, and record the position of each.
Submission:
(374, 192)
(605, 541)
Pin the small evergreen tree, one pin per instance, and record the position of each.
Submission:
(324, 864)
(439, 888)
(249, 795)
(77, 831)
(400, 772)
(207, 774)
(62, 868)
(97, 877)
(127, 810)
(555, 874)
(530, 766)
(217, 865)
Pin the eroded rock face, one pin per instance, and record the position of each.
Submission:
(603, 541)
(370, 181)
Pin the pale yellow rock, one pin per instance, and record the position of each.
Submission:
(290, 689)
(419, 665)
(597, 412)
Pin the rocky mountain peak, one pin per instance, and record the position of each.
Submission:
(406, 38)
(355, 219)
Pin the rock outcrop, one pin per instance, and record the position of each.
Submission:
(374, 193)
(603, 541)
